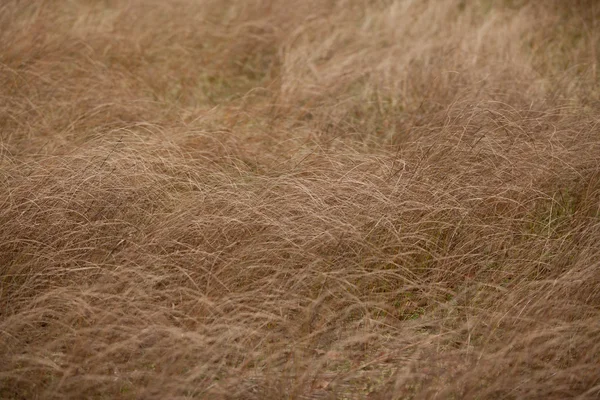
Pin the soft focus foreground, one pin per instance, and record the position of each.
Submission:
(232, 199)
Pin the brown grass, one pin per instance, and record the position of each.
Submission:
(261, 199)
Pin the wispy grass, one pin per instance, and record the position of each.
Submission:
(332, 199)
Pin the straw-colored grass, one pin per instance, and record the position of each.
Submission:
(266, 199)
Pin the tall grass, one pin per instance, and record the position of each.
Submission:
(329, 199)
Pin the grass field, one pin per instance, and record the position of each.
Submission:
(316, 199)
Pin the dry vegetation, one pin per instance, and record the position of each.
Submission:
(264, 199)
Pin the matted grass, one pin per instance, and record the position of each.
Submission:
(318, 199)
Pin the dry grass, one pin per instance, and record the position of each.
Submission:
(326, 199)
